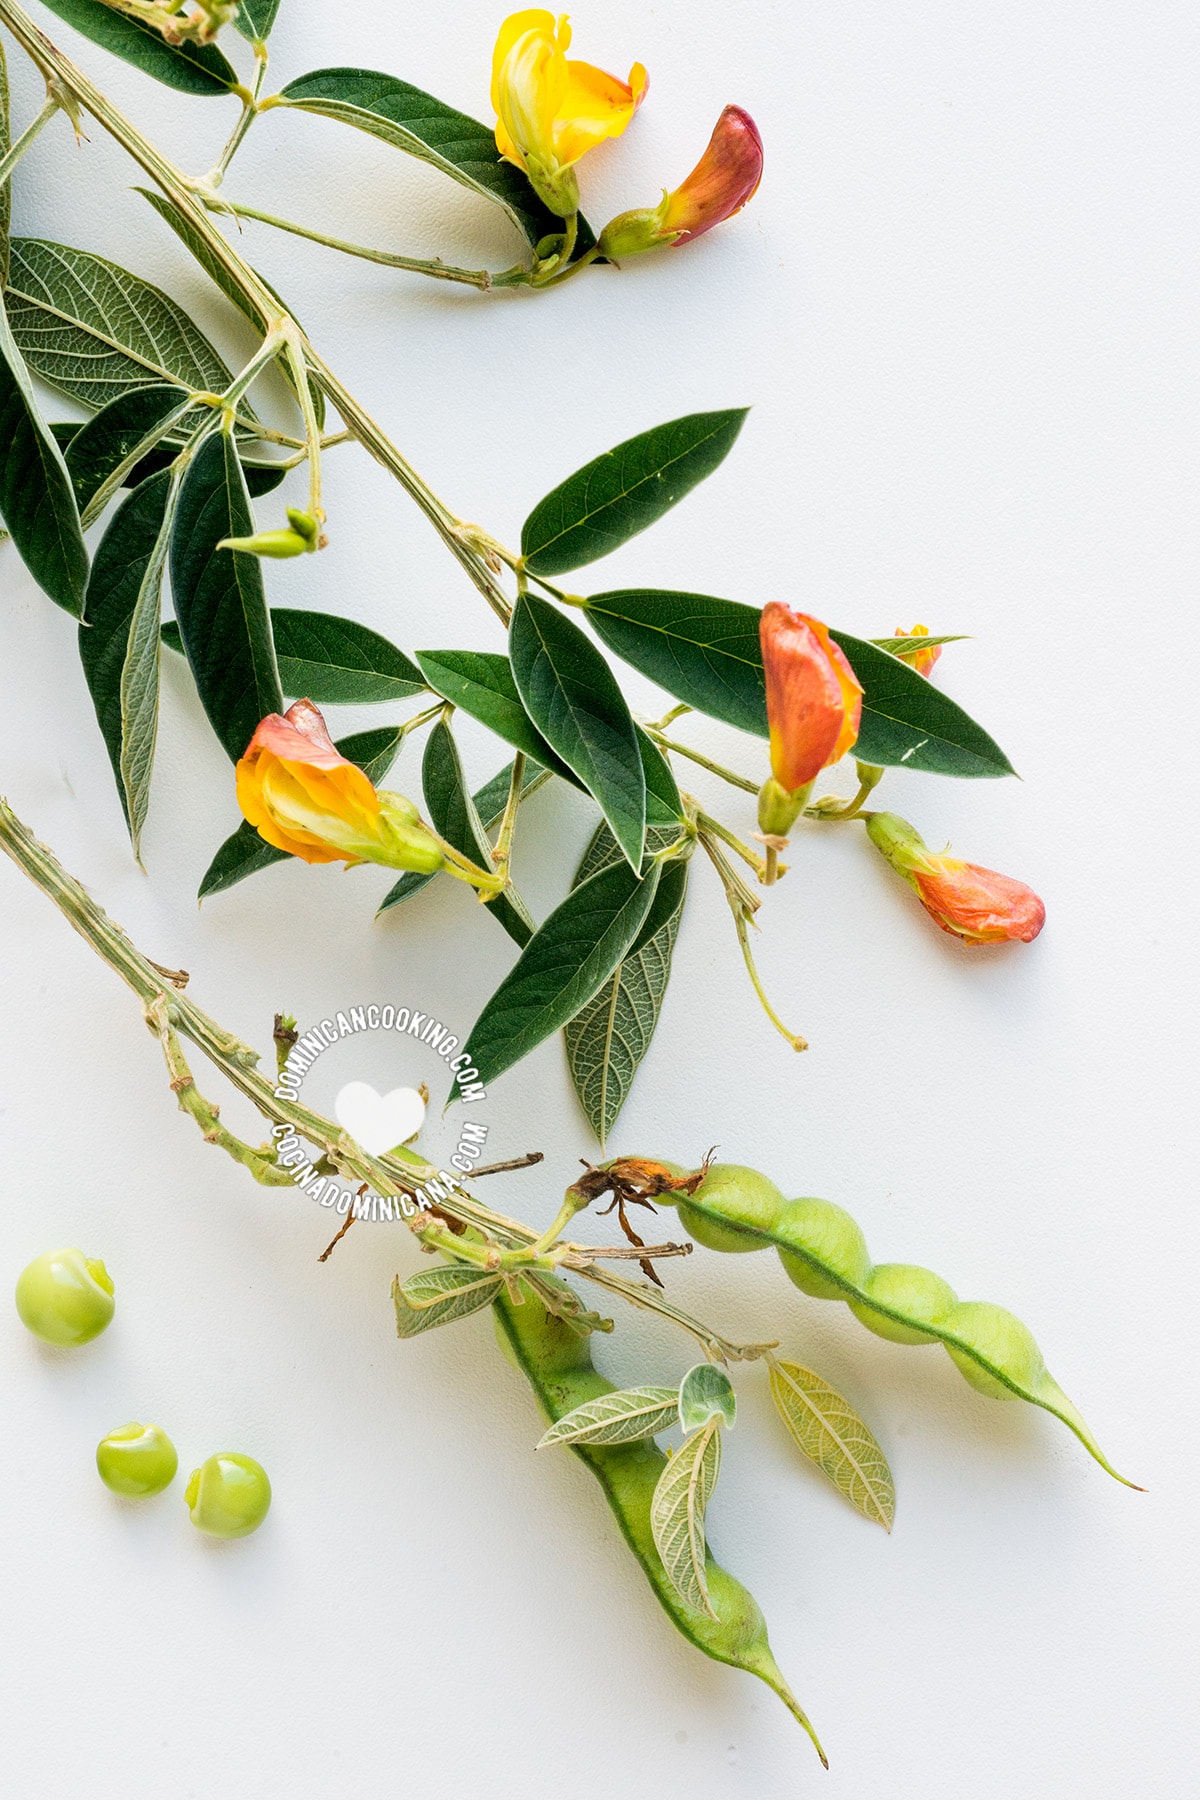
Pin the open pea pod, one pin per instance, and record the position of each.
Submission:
(824, 1253)
(558, 1365)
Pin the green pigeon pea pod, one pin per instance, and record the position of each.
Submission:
(558, 1365)
(825, 1254)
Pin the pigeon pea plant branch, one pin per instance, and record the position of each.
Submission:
(489, 1260)
(176, 429)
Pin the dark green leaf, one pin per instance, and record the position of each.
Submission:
(118, 645)
(245, 853)
(626, 490)
(482, 684)
(37, 501)
(608, 1038)
(332, 660)
(255, 19)
(706, 652)
(97, 449)
(663, 805)
(216, 271)
(563, 966)
(426, 128)
(572, 696)
(191, 68)
(489, 802)
(454, 816)
(908, 721)
(94, 330)
(219, 600)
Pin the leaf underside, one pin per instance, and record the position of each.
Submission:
(830, 1433)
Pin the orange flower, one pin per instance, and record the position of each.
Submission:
(921, 660)
(724, 179)
(814, 700)
(303, 796)
(975, 904)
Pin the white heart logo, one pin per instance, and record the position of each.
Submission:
(379, 1121)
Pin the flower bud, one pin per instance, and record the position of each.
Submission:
(921, 660)
(724, 179)
(304, 523)
(269, 543)
(975, 904)
(303, 796)
(550, 112)
(814, 701)
(778, 809)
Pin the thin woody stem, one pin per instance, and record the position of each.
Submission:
(261, 1163)
(9, 162)
(483, 279)
(237, 1061)
(503, 850)
(705, 762)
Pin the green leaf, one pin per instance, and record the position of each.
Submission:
(565, 963)
(441, 1297)
(255, 19)
(625, 1416)
(572, 696)
(191, 68)
(98, 449)
(677, 1511)
(908, 722)
(706, 652)
(604, 504)
(705, 1393)
(118, 644)
(482, 684)
(831, 1434)
(455, 818)
(489, 802)
(216, 271)
(608, 1038)
(664, 808)
(37, 501)
(219, 600)
(911, 646)
(245, 853)
(421, 126)
(339, 661)
(93, 330)
(6, 190)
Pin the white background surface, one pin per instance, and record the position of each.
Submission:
(963, 306)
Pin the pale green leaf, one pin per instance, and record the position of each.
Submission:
(677, 1514)
(441, 1296)
(831, 1434)
(622, 1417)
(705, 1393)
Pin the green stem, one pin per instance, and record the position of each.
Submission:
(743, 931)
(216, 174)
(483, 279)
(9, 162)
(502, 852)
(708, 823)
(705, 762)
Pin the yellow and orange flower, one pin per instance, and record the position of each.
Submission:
(724, 179)
(303, 796)
(921, 660)
(814, 698)
(978, 905)
(551, 111)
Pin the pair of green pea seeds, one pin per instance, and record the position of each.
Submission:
(66, 1299)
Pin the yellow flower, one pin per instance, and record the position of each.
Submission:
(303, 796)
(550, 112)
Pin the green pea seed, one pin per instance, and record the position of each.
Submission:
(742, 1197)
(830, 1236)
(908, 1289)
(65, 1297)
(137, 1460)
(228, 1496)
(1000, 1338)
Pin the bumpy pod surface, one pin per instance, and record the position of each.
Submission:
(558, 1365)
(825, 1255)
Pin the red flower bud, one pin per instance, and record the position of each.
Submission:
(975, 904)
(726, 176)
(814, 700)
